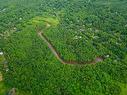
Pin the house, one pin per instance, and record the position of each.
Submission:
(1, 53)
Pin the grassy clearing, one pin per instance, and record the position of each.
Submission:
(44, 20)
(52, 21)
(124, 89)
(3, 88)
(1, 59)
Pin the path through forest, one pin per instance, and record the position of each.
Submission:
(58, 56)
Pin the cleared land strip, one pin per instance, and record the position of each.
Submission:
(51, 47)
(58, 56)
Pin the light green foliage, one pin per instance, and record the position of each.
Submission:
(124, 89)
(2, 88)
(1, 59)
(52, 21)
(40, 20)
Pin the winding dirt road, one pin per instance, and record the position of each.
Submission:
(51, 47)
(58, 56)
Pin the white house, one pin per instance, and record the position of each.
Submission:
(1, 53)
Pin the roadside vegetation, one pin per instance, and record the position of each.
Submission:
(80, 30)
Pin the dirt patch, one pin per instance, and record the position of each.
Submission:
(99, 59)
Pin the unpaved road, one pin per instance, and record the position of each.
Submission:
(57, 55)
(51, 47)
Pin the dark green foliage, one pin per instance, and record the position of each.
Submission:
(85, 30)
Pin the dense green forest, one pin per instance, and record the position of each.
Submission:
(79, 30)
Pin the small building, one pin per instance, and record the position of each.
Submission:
(15, 28)
(107, 56)
(77, 37)
(1, 53)
(20, 18)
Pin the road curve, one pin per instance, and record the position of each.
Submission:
(58, 56)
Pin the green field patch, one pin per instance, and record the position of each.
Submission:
(44, 21)
(1, 59)
(124, 89)
(3, 88)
